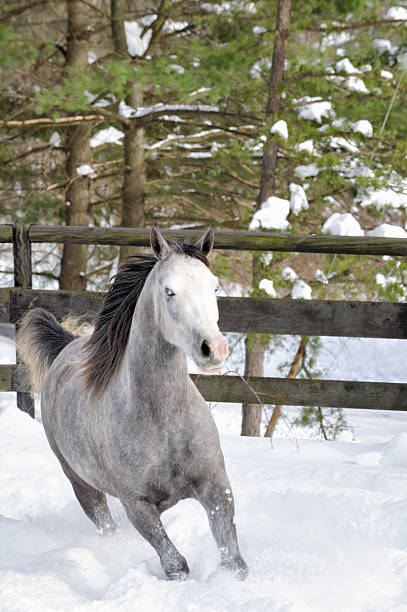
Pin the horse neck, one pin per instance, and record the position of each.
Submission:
(149, 357)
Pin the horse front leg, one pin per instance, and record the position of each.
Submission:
(146, 519)
(217, 499)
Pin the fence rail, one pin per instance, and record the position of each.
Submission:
(245, 315)
(250, 241)
(257, 315)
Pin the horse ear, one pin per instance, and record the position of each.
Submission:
(205, 243)
(158, 243)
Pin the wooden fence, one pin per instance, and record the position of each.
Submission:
(261, 315)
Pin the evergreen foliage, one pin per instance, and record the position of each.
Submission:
(204, 165)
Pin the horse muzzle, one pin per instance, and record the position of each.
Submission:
(212, 354)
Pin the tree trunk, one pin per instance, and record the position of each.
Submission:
(296, 365)
(255, 349)
(74, 257)
(253, 367)
(134, 180)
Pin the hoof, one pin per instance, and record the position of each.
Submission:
(238, 567)
(178, 570)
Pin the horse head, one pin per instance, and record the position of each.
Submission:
(185, 294)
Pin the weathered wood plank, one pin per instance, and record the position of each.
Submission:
(314, 317)
(84, 304)
(6, 378)
(296, 392)
(22, 278)
(4, 305)
(248, 315)
(6, 233)
(257, 241)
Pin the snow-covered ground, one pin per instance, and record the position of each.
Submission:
(322, 525)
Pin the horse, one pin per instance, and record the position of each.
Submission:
(119, 409)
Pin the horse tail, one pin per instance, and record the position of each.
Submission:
(40, 338)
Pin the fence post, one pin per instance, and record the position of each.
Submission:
(22, 278)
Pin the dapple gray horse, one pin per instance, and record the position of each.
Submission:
(119, 408)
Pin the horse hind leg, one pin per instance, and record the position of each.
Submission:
(95, 506)
(93, 502)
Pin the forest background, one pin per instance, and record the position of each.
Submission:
(276, 115)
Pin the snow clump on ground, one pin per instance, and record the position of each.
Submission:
(385, 230)
(301, 290)
(268, 286)
(272, 215)
(289, 274)
(342, 224)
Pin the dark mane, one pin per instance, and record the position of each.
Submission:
(106, 346)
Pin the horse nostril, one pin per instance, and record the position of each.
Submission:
(205, 350)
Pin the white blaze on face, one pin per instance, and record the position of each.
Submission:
(193, 310)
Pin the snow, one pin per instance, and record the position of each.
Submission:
(335, 39)
(127, 111)
(320, 276)
(322, 525)
(303, 172)
(380, 198)
(342, 224)
(353, 167)
(384, 281)
(142, 111)
(339, 142)
(268, 286)
(55, 139)
(386, 74)
(110, 135)
(301, 290)
(92, 57)
(398, 13)
(280, 128)
(356, 84)
(199, 91)
(262, 65)
(266, 258)
(258, 30)
(345, 65)
(383, 45)
(289, 274)
(86, 170)
(230, 7)
(137, 44)
(200, 155)
(307, 145)
(171, 26)
(298, 198)
(315, 110)
(272, 214)
(385, 230)
(175, 68)
(363, 126)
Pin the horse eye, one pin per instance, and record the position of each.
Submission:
(217, 289)
(169, 292)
